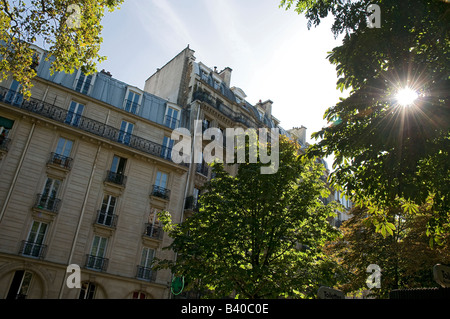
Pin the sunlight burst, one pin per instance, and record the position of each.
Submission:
(406, 96)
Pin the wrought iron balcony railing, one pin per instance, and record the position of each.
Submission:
(86, 124)
(161, 192)
(60, 160)
(235, 116)
(146, 273)
(4, 144)
(153, 231)
(47, 202)
(96, 263)
(191, 203)
(106, 219)
(116, 178)
(202, 168)
(31, 249)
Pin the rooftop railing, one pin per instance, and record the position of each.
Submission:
(235, 116)
(84, 123)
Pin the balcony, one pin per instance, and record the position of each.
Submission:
(88, 125)
(47, 203)
(96, 263)
(217, 104)
(116, 178)
(160, 192)
(153, 232)
(4, 146)
(145, 273)
(60, 161)
(191, 204)
(32, 249)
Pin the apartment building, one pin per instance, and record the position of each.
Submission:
(207, 97)
(86, 164)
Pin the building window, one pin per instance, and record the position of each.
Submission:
(201, 165)
(64, 147)
(172, 117)
(166, 150)
(145, 267)
(159, 188)
(106, 214)
(36, 59)
(74, 114)
(14, 96)
(33, 246)
(126, 129)
(139, 295)
(84, 82)
(132, 102)
(47, 199)
(62, 152)
(87, 290)
(206, 124)
(161, 180)
(5, 127)
(20, 285)
(116, 174)
(96, 258)
(195, 194)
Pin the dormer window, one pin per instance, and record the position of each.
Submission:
(239, 94)
(172, 117)
(38, 53)
(83, 83)
(205, 72)
(132, 101)
(217, 81)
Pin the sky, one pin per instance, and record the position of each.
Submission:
(272, 53)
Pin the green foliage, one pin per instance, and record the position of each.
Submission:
(385, 153)
(405, 257)
(256, 235)
(70, 30)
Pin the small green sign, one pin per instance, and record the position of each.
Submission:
(177, 285)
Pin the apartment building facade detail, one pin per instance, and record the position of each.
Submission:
(85, 165)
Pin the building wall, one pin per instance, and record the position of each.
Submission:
(24, 170)
(167, 81)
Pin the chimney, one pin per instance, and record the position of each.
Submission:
(106, 72)
(267, 106)
(299, 133)
(225, 74)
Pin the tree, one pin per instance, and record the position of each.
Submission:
(386, 153)
(405, 258)
(70, 29)
(256, 235)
